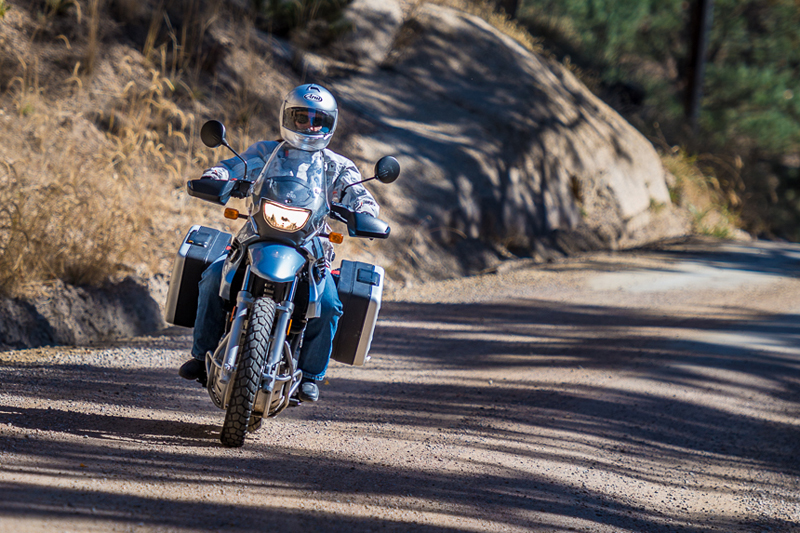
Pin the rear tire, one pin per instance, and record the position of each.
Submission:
(248, 373)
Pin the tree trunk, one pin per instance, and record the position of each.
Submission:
(702, 11)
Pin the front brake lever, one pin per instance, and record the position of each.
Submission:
(337, 216)
(341, 213)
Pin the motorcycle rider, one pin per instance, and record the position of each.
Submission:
(308, 119)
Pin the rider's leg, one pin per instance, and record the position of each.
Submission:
(209, 324)
(316, 351)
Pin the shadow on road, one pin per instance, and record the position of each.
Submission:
(635, 434)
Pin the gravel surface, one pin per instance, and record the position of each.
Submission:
(647, 391)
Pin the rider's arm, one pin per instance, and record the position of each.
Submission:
(344, 172)
(233, 168)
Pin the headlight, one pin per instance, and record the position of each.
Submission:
(285, 218)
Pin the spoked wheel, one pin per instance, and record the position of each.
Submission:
(248, 373)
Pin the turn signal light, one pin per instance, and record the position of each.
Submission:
(231, 213)
(336, 238)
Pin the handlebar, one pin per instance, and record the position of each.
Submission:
(360, 224)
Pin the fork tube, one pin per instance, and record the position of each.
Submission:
(284, 315)
(244, 302)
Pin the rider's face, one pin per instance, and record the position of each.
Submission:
(301, 121)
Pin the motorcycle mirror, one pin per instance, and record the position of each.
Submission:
(213, 134)
(387, 169)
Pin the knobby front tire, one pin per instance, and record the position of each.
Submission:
(248, 373)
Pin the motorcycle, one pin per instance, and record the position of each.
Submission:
(272, 280)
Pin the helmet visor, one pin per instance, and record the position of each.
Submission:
(308, 121)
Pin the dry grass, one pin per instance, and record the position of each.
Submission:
(92, 43)
(81, 205)
(85, 207)
(700, 193)
(69, 226)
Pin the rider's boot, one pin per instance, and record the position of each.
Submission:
(309, 392)
(194, 369)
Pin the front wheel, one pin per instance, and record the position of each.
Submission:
(248, 373)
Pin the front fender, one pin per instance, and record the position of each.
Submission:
(275, 262)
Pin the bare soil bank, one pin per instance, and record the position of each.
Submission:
(61, 314)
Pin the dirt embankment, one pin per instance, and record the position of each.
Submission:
(60, 314)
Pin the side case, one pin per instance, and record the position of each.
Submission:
(200, 247)
(360, 289)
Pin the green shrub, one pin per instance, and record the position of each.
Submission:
(750, 110)
(752, 72)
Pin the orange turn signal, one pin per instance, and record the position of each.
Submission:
(231, 213)
(336, 238)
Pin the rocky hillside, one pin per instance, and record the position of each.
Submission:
(504, 153)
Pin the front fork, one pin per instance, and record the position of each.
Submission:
(221, 372)
(219, 388)
(273, 395)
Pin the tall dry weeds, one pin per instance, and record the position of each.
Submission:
(59, 219)
(93, 37)
(84, 206)
(700, 194)
(92, 181)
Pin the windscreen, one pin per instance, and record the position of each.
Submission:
(296, 180)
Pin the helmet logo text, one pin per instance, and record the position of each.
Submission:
(313, 97)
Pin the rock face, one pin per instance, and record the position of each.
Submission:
(500, 146)
(374, 24)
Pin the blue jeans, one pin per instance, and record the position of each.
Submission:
(209, 325)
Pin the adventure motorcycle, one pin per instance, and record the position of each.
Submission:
(272, 280)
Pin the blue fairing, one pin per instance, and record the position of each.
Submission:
(275, 262)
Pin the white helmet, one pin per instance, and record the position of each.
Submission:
(308, 117)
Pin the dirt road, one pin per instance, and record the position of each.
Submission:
(652, 391)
